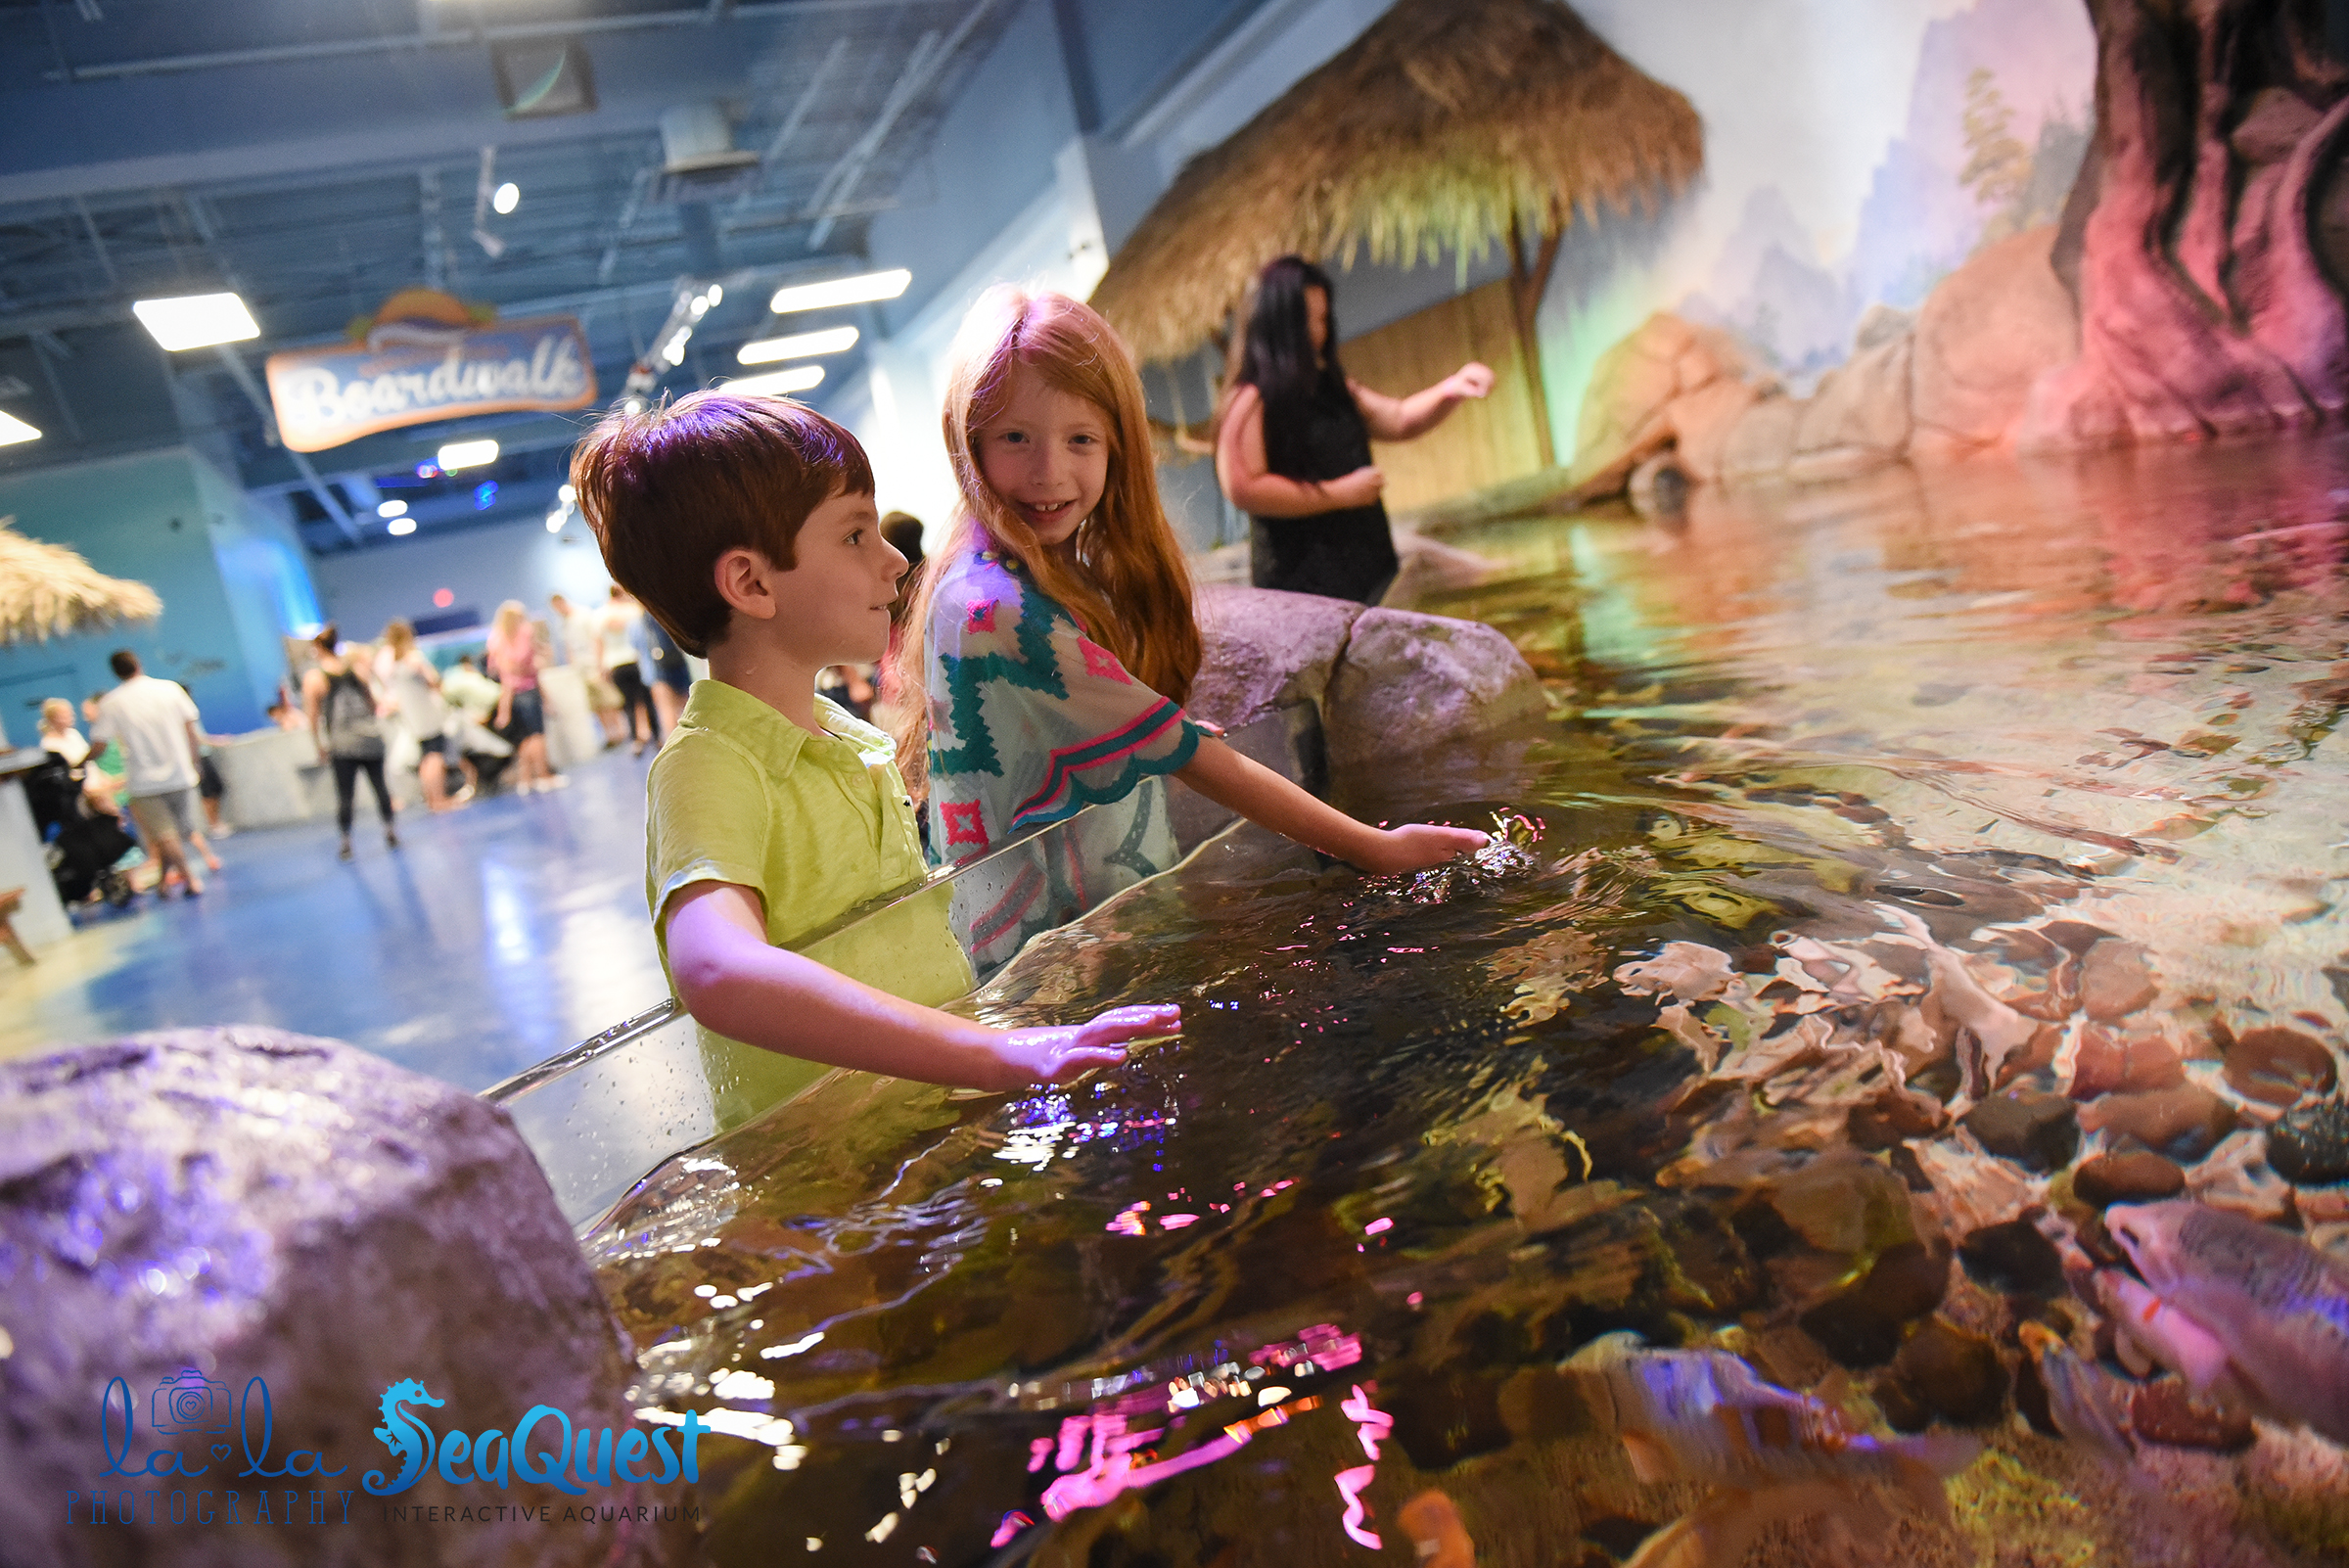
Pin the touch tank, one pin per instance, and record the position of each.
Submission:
(1880, 1094)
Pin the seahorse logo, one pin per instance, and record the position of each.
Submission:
(410, 1441)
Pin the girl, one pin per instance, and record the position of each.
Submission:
(512, 658)
(415, 688)
(342, 709)
(1059, 642)
(1293, 445)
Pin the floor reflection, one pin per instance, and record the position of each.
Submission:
(493, 937)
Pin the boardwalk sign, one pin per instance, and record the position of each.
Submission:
(416, 373)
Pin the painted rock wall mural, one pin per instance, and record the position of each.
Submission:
(2030, 267)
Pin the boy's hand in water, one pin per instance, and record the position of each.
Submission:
(1415, 846)
(1058, 1055)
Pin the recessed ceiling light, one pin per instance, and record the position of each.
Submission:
(800, 345)
(858, 290)
(13, 430)
(467, 454)
(400, 526)
(391, 509)
(507, 198)
(197, 320)
(799, 378)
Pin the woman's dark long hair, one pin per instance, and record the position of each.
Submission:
(1278, 359)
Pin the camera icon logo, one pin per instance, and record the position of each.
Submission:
(187, 1403)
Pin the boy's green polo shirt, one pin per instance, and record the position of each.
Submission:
(814, 824)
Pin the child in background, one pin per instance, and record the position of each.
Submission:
(745, 528)
(1058, 643)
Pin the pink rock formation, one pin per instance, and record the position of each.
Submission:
(2194, 288)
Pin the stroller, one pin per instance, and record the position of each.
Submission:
(83, 843)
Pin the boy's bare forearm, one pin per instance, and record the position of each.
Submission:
(1248, 787)
(780, 1001)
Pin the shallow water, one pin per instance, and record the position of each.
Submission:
(1419, 1143)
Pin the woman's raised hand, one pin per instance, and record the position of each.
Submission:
(1058, 1055)
(1472, 380)
(1416, 845)
(1361, 488)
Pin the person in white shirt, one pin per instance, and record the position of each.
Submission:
(580, 633)
(414, 684)
(59, 735)
(155, 725)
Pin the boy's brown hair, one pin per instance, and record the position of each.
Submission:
(671, 488)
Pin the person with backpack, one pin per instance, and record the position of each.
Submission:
(344, 715)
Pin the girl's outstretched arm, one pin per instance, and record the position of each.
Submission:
(733, 982)
(1403, 419)
(1262, 796)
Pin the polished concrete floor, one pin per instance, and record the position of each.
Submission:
(493, 938)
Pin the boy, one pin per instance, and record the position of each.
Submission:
(745, 528)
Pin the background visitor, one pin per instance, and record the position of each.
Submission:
(346, 716)
(618, 630)
(665, 671)
(413, 685)
(155, 725)
(1293, 445)
(512, 655)
(578, 643)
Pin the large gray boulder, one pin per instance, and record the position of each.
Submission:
(259, 1235)
(1413, 683)
(1262, 649)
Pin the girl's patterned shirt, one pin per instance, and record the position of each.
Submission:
(1031, 721)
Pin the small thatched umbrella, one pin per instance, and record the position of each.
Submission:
(1455, 125)
(46, 591)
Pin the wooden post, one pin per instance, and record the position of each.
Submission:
(1526, 287)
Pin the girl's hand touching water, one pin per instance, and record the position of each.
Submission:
(1060, 1055)
(1415, 846)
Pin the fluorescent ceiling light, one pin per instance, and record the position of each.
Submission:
(13, 430)
(507, 198)
(467, 454)
(865, 286)
(400, 526)
(800, 345)
(197, 320)
(799, 378)
(391, 509)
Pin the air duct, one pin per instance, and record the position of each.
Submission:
(699, 161)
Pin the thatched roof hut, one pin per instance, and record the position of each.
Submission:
(46, 591)
(1450, 125)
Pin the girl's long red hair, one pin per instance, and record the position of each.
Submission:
(1121, 574)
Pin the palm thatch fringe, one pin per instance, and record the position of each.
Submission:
(1450, 125)
(46, 590)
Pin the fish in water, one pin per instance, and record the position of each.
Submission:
(2242, 1311)
(1435, 1528)
(1705, 1416)
(2080, 1398)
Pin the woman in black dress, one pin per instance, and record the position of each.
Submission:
(1293, 448)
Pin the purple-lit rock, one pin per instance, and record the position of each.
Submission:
(1262, 649)
(211, 1213)
(1413, 683)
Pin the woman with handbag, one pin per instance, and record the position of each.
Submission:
(344, 713)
